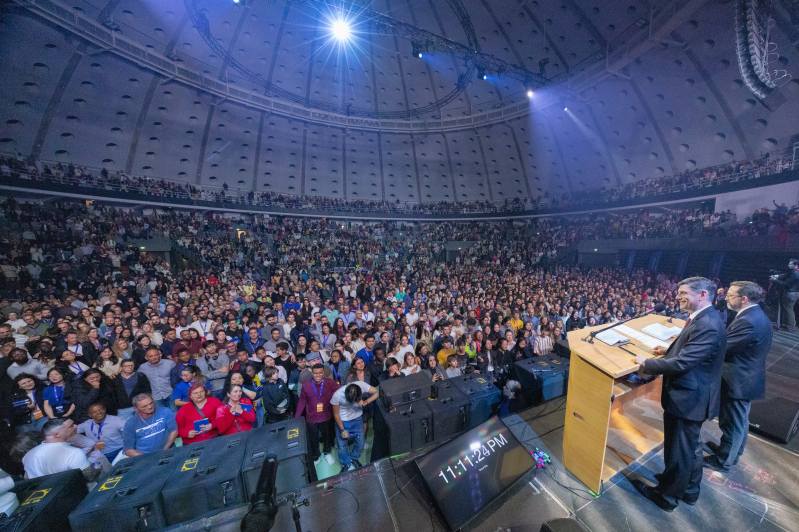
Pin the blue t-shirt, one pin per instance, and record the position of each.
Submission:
(367, 356)
(182, 389)
(54, 395)
(151, 434)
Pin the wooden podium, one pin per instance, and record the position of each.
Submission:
(610, 422)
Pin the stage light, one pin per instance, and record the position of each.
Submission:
(420, 55)
(565, 108)
(481, 73)
(529, 94)
(341, 30)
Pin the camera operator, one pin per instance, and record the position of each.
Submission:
(789, 282)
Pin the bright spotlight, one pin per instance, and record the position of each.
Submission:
(529, 94)
(341, 30)
(420, 55)
(565, 108)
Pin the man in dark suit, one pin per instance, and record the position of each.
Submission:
(691, 369)
(743, 376)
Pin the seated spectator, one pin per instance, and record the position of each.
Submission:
(392, 370)
(22, 363)
(66, 362)
(107, 362)
(106, 430)
(92, 387)
(55, 455)
(57, 402)
(236, 414)
(190, 376)
(453, 370)
(26, 403)
(338, 366)
(196, 419)
(150, 429)
(127, 385)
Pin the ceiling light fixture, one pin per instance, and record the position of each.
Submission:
(341, 30)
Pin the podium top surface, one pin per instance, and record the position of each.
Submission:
(612, 359)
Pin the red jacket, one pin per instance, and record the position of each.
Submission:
(188, 414)
(226, 421)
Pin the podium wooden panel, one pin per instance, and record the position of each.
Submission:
(605, 412)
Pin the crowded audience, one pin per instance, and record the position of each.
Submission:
(118, 352)
(27, 168)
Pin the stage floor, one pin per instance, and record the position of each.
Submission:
(760, 494)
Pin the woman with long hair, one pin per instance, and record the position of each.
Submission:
(410, 364)
(68, 365)
(93, 345)
(339, 366)
(154, 336)
(241, 378)
(338, 327)
(196, 419)
(56, 395)
(141, 345)
(236, 414)
(190, 376)
(107, 362)
(92, 387)
(436, 371)
(26, 404)
(121, 349)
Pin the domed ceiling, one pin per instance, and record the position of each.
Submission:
(258, 95)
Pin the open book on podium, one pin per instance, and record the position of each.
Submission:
(612, 418)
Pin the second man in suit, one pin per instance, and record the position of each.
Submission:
(743, 376)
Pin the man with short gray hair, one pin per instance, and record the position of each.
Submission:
(150, 429)
(743, 376)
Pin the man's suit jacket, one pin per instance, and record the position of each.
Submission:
(748, 343)
(691, 368)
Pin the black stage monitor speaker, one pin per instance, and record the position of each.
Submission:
(471, 476)
(450, 410)
(129, 500)
(482, 395)
(401, 391)
(776, 418)
(406, 427)
(287, 440)
(45, 503)
(208, 480)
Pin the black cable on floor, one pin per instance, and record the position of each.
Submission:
(357, 508)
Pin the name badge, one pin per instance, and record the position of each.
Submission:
(59, 409)
(319, 406)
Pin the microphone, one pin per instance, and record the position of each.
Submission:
(660, 307)
(263, 507)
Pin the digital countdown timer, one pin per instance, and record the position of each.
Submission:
(470, 472)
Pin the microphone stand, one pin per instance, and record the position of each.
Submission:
(591, 336)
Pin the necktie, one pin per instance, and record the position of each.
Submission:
(687, 322)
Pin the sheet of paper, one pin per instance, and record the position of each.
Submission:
(611, 337)
(645, 339)
(661, 332)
